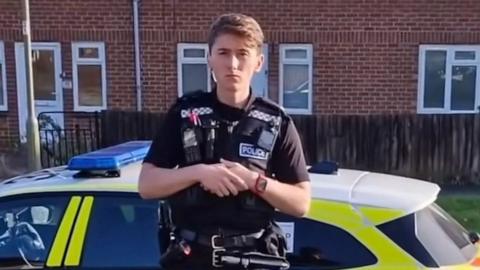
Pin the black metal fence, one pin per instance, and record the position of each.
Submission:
(65, 134)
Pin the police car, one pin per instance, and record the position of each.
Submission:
(89, 215)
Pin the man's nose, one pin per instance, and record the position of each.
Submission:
(233, 62)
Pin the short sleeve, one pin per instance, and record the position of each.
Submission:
(166, 148)
(288, 160)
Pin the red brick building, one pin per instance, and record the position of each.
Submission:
(323, 57)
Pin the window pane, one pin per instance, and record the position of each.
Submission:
(463, 87)
(43, 74)
(402, 232)
(444, 238)
(295, 86)
(434, 79)
(465, 55)
(122, 232)
(88, 52)
(195, 53)
(41, 214)
(194, 77)
(329, 247)
(296, 54)
(90, 85)
(1, 85)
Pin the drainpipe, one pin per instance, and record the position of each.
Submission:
(138, 72)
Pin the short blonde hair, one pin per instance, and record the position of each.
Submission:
(237, 24)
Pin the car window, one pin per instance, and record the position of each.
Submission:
(447, 241)
(432, 237)
(402, 232)
(122, 232)
(318, 245)
(28, 225)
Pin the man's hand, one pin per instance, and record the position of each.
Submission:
(219, 180)
(248, 176)
(292, 199)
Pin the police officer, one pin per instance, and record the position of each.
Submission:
(225, 160)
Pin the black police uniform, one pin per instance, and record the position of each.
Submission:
(201, 129)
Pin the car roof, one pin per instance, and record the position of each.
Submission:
(349, 186)
(60, 179)
(374, 189)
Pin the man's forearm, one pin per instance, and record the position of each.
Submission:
(287, 198)
(157, 183)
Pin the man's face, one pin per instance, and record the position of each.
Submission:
(234, 62)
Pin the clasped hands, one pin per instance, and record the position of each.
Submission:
(226, 178)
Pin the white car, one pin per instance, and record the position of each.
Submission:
(89, 215)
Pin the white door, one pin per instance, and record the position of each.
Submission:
(260, 79)
(47, 83)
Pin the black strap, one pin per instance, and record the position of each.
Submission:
(218, 241)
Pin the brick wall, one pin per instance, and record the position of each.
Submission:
(67, 21)
(365, 52)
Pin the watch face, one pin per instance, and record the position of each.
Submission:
(262, 184)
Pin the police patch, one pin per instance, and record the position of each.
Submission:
(249, 150)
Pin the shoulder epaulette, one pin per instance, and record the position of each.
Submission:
(270, 105)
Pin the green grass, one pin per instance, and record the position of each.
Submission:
(464, 208)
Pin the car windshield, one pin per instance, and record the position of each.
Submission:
(28, 225)
(445, 239)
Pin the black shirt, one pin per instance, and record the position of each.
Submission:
(287, 160)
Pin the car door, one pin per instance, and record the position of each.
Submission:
(120, 230)
(316, 245)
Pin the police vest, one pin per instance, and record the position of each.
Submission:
(206, 138)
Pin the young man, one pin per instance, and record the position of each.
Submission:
(226, 160)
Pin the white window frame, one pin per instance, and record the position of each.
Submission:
(450, 61)
(3, 107)
(181, 47)
(308, 61)
(76, 61)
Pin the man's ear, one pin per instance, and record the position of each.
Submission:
(261, 58)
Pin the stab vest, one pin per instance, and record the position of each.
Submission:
(206, 138)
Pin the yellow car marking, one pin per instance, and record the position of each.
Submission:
(78, 237)
(61, 238)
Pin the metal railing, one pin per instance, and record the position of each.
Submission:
(64, 134)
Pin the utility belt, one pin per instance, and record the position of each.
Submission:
(222, 241)
(265, 248)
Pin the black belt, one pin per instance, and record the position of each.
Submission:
(219, 241)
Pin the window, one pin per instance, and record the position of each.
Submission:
(193, 72)
(296, 78)
(402, 232)
(432, 237)
(122, 233)
(34, 218)
(89, 76)
(44, 79)
(329, 247)
(447, 241)
(448, 79)
(3, 80)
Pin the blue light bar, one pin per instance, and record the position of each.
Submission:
(110, 158)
